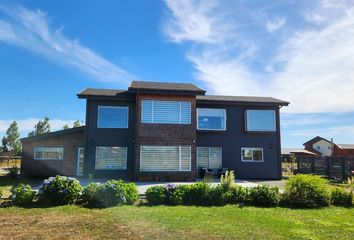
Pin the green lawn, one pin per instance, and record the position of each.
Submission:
(132, 222)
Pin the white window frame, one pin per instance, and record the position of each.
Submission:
(208, 156)
(180, 159)
(152, 111)
(252, 148)
(106, 106)
(44, 159)
(113, 169)
(261, 130)
(210, 129)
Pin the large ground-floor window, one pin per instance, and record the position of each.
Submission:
(165, 158)
(209, 157)
(111, 158)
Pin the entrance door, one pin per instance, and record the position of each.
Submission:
(80, 161)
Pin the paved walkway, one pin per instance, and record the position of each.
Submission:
(143, 186)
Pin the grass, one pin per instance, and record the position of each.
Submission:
(180, 222)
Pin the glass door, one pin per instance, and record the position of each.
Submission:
(80, 161)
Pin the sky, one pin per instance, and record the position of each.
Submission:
(298, 51)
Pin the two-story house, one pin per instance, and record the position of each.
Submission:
(163, 131)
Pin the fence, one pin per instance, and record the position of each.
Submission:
(331, 167)
(10, 161)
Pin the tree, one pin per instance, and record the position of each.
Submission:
(76, 124)
(11, 142)
(66, 126)
(41, 127)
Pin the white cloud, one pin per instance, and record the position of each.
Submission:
(27, 125)
(275, 24)
(31, 30)
(309, 65)
(193, 20)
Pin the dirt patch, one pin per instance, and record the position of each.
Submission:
(60, 226)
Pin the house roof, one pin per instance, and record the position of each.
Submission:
(296, 151)
(346, 146)
(242, 99)
(178, 88)
(99, 92)
(316, 139)
(53, 134)
(165, 86)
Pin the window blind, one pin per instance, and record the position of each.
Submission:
(172, 112)
(165, 158)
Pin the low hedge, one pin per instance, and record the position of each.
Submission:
(264, 196)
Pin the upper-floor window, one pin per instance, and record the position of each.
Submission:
(49, 153)
(112, 117)
(211, 119)
(173, 112)
(260, 121)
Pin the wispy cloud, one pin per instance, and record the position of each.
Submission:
(309, 65)
(31, 30)
(275, 24)
(27, 125)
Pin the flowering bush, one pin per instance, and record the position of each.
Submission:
(108, 194)
(22, 195)
(60, 190)
(169, 189)
(89, 194)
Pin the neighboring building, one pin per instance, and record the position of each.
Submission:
(323, 147)
(287, 152)
(165, 131)
(320, 146)
(343, 150)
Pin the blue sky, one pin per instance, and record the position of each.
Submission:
(299, 51)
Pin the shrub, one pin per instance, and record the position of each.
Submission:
(131, 192)
(237, 194)
(60, 190)
(217, 195)
(13, 172)
(264, 196)
(0, 192)
(197, 194)
(89, 194)
(155, 195)
(340, 197)
(169, 189)
(306, 191)
(109, 194)
(178, 196)
(22, 195)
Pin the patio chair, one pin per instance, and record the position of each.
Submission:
(206, 172)
(222, 171)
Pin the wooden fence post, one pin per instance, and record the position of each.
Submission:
(312, 164)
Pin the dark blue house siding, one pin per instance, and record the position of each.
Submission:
(235, 137)
(109, 137)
